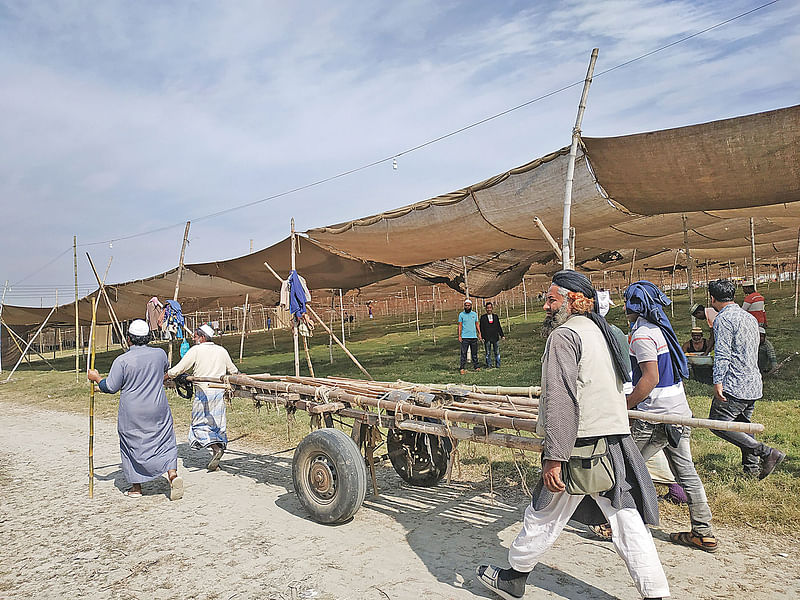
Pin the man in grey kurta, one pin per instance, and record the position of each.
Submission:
(146, 437)
(582, 400)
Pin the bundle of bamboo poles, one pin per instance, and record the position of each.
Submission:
(448, 403)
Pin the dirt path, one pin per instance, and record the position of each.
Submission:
(240, 533)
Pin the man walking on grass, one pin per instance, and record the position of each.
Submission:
(469, 332)
(209, 423)
(737, 380)
(492, 333)
(582, 407)
(659, 367)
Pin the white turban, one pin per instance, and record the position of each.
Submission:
(138, 328)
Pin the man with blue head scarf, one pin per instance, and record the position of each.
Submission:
(659, 367)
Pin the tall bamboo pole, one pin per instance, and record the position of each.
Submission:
(433, 321)
(416, 307)
(341, 314)
(688, 263)
(797, 273)
(524, 298)
(753, 252)
(672, 286)
(295, 332)
(3, 300)
(708, 295)
(549, 238)
(330, 337)
(567, 259)
(178, 278)
(75, 265)
(244, 326)
(633, 261)
(91, 398)
(102, 285)
(466, 278)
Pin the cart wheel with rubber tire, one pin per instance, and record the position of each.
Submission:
(329, 474)
(419, 458)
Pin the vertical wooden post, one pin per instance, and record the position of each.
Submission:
(295, 333)
(3, 299)
(688, 263)
(178, 278)
(797, 273)
(244, 326)
(753, 252)
(416, 307)
(524, 298)
(708, 280)
(566, 257)
(330, 337)
(75, 265)
(433, 322)
(730, 270)
(92, 335)
(466, 279)
(633, 261)
(672, 286)
(341, 314)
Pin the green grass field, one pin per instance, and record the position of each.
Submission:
(390, 350)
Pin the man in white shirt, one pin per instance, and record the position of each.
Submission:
(207, 359)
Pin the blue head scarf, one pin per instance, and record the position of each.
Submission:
(646, 300)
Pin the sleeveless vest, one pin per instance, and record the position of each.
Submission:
(602, 409)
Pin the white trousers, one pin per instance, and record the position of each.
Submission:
(631, 538)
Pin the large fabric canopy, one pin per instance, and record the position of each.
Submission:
(629, 192)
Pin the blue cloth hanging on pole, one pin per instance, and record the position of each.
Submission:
(297, 295)
(646, 300)
(173, 317)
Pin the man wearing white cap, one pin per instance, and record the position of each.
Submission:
(146, 437)
(469, 332)
(207, 359)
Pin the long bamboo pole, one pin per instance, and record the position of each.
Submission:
(797, 273)
(295, 324)
(244, 326)
(524, 299)
(341, 315)
(433, 319)
(689, 281)
(75, 265)
(416, 307)
(91, 398)
(466, 277)
(566, 259)
(179, 276)
(633, 262)
(549, 238)
(3, 300)
(672, 286)
(308, 356)
(101, 283)
(753, 252)
(328, 330)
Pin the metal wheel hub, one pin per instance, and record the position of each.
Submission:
(322, 478)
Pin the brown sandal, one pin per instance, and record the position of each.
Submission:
(690, 538)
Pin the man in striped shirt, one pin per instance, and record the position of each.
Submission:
(754, 303)
(658, 367)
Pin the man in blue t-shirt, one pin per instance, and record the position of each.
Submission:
(469, 332)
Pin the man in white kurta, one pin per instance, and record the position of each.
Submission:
(207, 359)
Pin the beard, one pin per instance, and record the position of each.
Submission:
(551, 322)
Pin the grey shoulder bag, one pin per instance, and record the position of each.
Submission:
(589, 469)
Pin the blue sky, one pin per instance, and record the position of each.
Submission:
(123, 117)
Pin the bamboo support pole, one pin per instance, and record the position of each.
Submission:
(295, 332)
(524, 299)
(178, 278)
(91, 399)
(672, 286)
(797, 273)
(549, 238)
(17, 339)
(341, 315)
(505, 440)
(433, 318)
(244, 325)
(753, 252)
(566, 259)
(466, 277)
(689, 281)
(328, 330)
(77, 325)
(416, 307)
(102, 284)
(3, 300)
(308, 356)
(633, 262)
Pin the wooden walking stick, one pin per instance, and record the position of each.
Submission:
(91, 400)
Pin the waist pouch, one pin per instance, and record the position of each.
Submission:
(589, 469)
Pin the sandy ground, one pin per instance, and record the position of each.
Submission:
(241, 533)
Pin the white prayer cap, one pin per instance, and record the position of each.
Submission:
(467, 301)
(207, 330)
(138, 328)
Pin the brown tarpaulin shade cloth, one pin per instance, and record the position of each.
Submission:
(733, 163)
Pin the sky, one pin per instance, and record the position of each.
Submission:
(126, 117)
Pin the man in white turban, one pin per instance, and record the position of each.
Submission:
(146, 437)
(207, 359)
